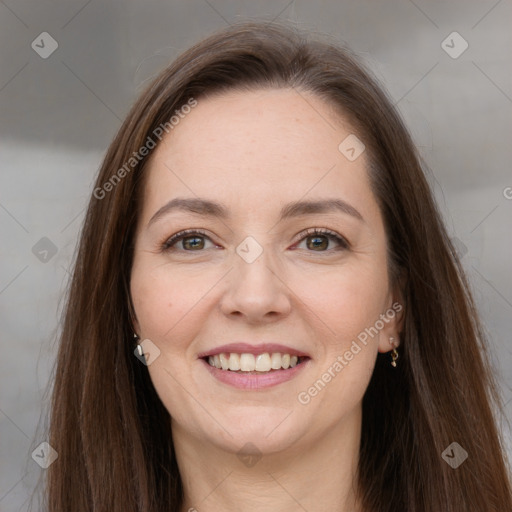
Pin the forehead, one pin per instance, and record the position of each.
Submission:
(263, 143)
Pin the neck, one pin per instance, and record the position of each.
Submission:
(317, 476)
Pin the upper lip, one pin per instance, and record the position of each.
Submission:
(247, 348)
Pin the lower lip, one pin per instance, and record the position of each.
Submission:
(254, 381)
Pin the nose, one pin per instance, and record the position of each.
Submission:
(256, 291)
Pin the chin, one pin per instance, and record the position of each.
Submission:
(269, 429)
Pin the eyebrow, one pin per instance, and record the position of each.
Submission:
(210, 208)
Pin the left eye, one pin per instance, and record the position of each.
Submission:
(319, 239)
(193, 240)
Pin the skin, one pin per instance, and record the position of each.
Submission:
(254, 152)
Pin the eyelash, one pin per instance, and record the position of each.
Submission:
(169, 242)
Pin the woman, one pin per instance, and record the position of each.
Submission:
(266, 311)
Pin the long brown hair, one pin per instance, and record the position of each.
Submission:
(109, 427)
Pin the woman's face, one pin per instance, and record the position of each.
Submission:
(256, 276)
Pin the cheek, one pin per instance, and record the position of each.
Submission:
(157, 298)
(349, 303)
(152, 298)
(164, 304)
(347, 300)
(169, 303)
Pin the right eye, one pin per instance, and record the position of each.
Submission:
(193, 241)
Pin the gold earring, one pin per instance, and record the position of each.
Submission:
(394, 353)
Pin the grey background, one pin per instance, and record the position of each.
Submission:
(59, 114)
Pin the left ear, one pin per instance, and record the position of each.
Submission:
(393, 319)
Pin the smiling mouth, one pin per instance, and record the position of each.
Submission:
(254, 363)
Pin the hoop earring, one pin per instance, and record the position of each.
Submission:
(394, 353)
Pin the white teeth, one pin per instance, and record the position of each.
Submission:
(234, 362)
(224, 361)
(263, 363)
(275, 361)
(249, 363)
